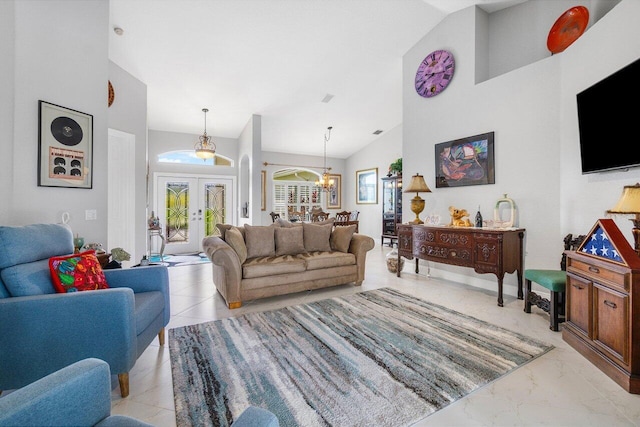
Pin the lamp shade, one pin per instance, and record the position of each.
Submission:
(629, 202)
(417, 185)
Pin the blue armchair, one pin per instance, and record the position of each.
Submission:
(42, 331)
(76, 395)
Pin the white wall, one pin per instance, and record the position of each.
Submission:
(47, 34)
(386, 149)
(250, 158)
(7, 53)
(128, 113)
(532, 111)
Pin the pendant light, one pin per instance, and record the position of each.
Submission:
(325, 183)
(205, 148)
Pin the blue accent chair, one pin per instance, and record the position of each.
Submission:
(42, 331)
(76, 395)
(256, 417)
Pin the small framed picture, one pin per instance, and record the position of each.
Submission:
(367, 186)
(335, 193)
(65, 147)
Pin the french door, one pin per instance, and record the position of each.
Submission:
(189, 207)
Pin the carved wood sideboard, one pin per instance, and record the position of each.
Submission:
(486, 250)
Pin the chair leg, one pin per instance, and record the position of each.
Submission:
(161, 337)
(123, 379)
(553, 311)
(527, 289)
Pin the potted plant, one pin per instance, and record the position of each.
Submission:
(395, 167)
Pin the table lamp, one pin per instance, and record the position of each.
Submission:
(629, 204)
(417, 185)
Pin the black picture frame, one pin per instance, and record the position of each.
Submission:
(465, 161)
(65, 147)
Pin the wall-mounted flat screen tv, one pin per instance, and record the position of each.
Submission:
(609, 123)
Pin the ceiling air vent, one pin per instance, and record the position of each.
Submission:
(327, 98)
(378, 132)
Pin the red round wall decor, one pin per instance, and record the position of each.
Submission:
(567, 28)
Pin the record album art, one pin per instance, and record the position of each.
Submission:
(66, 131)
(65, 154)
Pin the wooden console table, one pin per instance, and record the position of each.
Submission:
(486, 250)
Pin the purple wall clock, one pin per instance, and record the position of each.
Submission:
(435, 73)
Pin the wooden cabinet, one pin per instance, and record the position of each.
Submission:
(391, 207)
(603, 309)
(485, 250)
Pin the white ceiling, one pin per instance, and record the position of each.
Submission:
(277, 59)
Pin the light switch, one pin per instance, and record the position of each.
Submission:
(91, 215)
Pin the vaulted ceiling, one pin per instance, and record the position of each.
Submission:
(278, 59)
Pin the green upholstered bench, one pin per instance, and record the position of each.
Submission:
(553, 280)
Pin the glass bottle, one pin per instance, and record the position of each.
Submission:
(479, 218)
(392, 260)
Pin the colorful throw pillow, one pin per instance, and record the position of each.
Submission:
(316, 237)
(77, 272)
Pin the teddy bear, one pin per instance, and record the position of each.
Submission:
(458, 217)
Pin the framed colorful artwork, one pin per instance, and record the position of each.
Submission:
(334, 195)
(65, 147)
(465, 161)
(367, 186)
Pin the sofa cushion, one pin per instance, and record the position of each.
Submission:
(224, 227)
(259, 240)
(321, 260)
(32, 278)
(289, 241)
(272, 266)
(77, 272)
(236, 241)
(316, 237)
(280, 222)
(341, 238)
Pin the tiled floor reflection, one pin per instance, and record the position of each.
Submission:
(561, 388)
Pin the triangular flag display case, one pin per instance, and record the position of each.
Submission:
(603, 304)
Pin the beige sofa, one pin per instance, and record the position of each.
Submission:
(252, 262)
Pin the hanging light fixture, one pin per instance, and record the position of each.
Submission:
(325, 183)
(205, 148)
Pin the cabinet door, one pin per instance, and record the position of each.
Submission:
(405, 245)
(578, 310)
(487, 253)
(610, 323)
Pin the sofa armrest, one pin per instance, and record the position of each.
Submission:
(79, 394)
(43, 333)
(226, 269)
(143, 279)
(359, 246)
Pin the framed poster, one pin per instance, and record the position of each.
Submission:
(335, 193)
(367, 186)
(65, 147)
(465, 161)
(263, 186)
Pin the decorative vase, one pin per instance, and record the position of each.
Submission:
(78, 243)
(392, 261)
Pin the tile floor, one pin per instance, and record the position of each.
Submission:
(560, 388)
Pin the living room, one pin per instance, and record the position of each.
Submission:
(506, 82)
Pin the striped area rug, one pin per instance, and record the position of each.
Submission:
(380, 357)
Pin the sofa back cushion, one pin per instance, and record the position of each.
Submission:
(259, 240)
(224, 227)
(341, 238)
(234, 238)
(289, 240)
(316, 237)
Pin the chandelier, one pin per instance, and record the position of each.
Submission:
(325, 183)
(205, 148)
